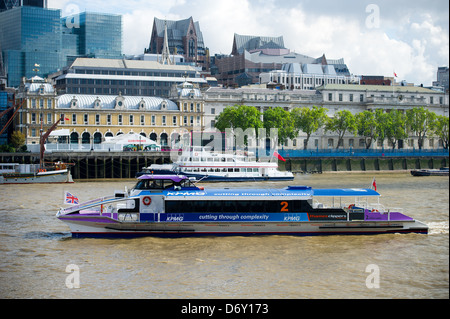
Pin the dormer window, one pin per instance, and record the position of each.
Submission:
(164, 105)
(74, 103)
(120, 101)
(97, 103)
(142, 104)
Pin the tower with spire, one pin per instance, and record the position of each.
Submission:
(165, 54)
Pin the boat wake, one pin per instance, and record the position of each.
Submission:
(438, 228)
(48, 235)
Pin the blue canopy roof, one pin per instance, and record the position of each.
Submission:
(341, 192)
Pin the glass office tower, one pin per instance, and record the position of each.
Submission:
(30, 38)
(99, 35)
(37, 41)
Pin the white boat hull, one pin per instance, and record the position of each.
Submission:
(59, 176)
(111, 228)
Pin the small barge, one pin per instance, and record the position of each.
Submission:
(171, 206)
(443, 171)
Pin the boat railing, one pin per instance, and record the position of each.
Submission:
(92, 203)
(376, 207)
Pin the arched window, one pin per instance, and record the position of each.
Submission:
(153, 136)
(74, 138)
(109, 134)
(97, 138)
(164, 139)
(85, 138)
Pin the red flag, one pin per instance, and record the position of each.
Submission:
(279, 156)
(395, 74)
(374, 184)
(66, 119)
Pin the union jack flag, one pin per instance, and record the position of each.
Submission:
(70, 199)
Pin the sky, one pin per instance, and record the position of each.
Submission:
(374, 37)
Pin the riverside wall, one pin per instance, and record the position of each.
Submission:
(116, 165)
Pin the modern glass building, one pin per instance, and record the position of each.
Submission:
(30, 38)
(96, 35)
(37, 41)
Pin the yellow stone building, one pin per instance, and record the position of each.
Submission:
(89, 119)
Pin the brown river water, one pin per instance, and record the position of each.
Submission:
(36, 249)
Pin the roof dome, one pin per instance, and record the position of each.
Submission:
(187, 89)
(85, 101)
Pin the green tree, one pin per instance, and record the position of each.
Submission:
(309, 120)
(341, 123)
(239, 116)
(440, 129)
(366, 124)
(17, 139)
(419, 122)
(396, 127)
(280, 119)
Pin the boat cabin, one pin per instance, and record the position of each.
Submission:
(161, 182)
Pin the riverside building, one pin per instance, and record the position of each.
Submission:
(87, 119)
(334, 97)
(253, 55)
(129, 77)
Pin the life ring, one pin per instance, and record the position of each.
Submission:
(146, 200)
(196, 154)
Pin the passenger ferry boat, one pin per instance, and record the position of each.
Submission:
(172, 206)
(201, 164)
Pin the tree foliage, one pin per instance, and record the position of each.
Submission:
(282, 120)
(239, 116)
(309, 120)
(366, 125)
(372, 125)
(395, 129)
(17, 139)
(440, 129)
(341, 123)
(419, 121)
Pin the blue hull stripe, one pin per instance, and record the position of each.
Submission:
(169, 234)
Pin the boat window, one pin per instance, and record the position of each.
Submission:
(214, 207)
(229, 206)
(160, 184)
(236, 169)
(230, 170)
(241, 206)
(255, 170)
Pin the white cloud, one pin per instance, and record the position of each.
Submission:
(412, 37)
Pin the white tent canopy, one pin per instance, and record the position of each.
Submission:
(130, 138)
(61, 132)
